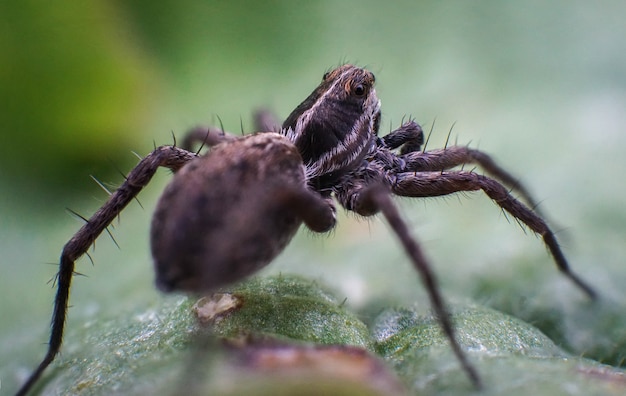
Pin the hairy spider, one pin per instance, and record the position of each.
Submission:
(228, 213)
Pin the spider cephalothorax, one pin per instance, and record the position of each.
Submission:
(336, 126)
(228, 213)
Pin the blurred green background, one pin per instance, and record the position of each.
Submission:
(539, 85)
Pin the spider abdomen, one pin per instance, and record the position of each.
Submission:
(223, 215)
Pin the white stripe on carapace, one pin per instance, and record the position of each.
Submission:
(329, 161)
(305, 117)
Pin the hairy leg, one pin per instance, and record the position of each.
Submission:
(410, 136)
(318, 213)
(264, 121)
(376, 198)
(209, 136)
(444, 159)
(431, 184)
(166, 156)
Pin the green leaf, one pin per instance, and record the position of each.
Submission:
(163, 347)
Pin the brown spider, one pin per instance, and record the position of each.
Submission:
(230, 212)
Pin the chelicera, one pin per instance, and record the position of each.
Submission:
(230, 212)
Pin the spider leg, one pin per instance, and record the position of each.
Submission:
(409, 135)
(166, 156)
(368, 200)
(202, 135)
(431, 184)
(444, 159)
(266, 121)
(318, 213)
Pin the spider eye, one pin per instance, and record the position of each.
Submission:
(325, 76)
(359, 90)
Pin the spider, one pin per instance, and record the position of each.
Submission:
(230, 212)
